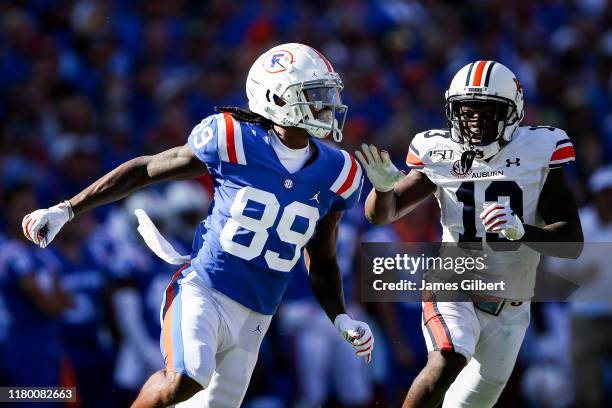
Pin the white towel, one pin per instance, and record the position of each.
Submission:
(156, 241)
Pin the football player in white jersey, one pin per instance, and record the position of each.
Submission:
(495, 182)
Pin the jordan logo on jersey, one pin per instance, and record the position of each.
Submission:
(316, 197)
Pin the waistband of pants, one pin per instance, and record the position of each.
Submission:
(491, 304)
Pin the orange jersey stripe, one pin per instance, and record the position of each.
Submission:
(349, 180)
(167, 331)
(437, 327)
(413, 160)
(167, 323)
(563, 153)
(229, 134)
(429, 313)
(478, 74)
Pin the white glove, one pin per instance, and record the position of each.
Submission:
(358, 334)
(42, 226)
(378, 166)
(499, 217)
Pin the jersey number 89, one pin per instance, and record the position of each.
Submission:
(259, 226)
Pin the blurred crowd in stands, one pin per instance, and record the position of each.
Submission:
(88, 84)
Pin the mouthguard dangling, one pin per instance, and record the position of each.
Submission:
(467, 158)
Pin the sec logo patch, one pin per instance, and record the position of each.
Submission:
(459, 171)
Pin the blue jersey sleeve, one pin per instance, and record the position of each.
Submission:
(203, 140)
(348, 184)
(343, 204)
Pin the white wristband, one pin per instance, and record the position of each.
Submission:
(70, 211)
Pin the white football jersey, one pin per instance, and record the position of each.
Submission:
(516, 175)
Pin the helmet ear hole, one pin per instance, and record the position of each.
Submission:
(278, 101)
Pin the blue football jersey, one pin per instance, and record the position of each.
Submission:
(262, 216)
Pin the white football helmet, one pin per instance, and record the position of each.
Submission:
(485, 82)
(295, 85)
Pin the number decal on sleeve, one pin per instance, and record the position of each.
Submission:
(550, 128)
(202, 134)
(437, 132)
(260, 226)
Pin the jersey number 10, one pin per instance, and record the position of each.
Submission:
(499, 188)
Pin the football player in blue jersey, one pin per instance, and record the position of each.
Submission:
(278, 191)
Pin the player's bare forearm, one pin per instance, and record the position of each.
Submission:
(323, 271)
(173, 164)
(383, 208)
(558, 209)
(380, 207)
(326, 284)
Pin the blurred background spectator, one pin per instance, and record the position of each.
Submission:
(33, 301)
(87, 84)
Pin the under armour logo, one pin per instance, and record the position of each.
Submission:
(257, 329)
(516, 162)
(316, 197)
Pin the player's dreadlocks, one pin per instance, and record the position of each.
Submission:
(245, 115)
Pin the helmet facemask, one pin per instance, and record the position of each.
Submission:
(479, 123)
(320, 107)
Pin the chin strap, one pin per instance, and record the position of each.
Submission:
(479, 152)
(337, 135)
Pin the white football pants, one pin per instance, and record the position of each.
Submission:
(489, 343)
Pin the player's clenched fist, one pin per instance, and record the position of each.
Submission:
(358, 334)
(42, 226)
(499, 217)
(378, 166)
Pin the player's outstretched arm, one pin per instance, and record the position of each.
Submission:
(173, 164)
(394, 194)
(326, 283)
(41, 226)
